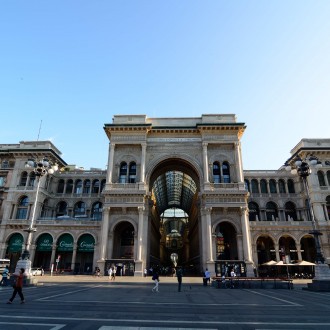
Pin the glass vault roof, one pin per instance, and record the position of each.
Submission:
(174, 189)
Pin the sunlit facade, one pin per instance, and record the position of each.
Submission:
(172, 185)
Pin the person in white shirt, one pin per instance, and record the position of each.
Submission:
(207, 276)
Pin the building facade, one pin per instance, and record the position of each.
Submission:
(172, 186)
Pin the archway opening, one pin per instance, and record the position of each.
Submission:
(174, 226)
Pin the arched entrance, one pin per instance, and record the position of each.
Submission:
(123, 250)
(43, 251)
(85, 254)
(64, 252)
(14, 250)
(174, 217)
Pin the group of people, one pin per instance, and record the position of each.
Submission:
(155, 278)
(112, 273)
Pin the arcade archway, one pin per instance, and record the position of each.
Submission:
(174, 226)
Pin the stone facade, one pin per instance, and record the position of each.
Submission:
(118, 217)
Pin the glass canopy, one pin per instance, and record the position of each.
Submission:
(174, 189)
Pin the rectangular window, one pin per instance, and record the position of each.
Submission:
(2, 181)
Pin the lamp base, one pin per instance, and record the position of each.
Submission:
(321, 281)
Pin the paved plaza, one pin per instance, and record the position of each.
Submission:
(86, 302)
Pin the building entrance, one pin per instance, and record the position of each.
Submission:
(174, 217)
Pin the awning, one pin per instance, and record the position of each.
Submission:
(65, 243)
(86, 243)
(45, 243)
(15, 243)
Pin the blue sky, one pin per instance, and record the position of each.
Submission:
(75, 64)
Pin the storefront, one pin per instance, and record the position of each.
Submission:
(64, 252)
(85, 254)
(14, 250)
(43, 251)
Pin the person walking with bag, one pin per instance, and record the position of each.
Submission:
(18, 286)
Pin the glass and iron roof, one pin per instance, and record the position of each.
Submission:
(174, 189)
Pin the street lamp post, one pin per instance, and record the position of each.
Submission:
(40, 168)
(302, 167)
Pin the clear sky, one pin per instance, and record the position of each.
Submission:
(75, 64)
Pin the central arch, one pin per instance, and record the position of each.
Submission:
(174, 227)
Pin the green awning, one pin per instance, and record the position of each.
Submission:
(86, 243)
(45, 243)
(15, 243)
(65, 243)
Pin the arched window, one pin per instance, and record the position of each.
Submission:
(291, 189)
(263, 186)
(132, 172)
(102, 185)
(254, 214)
(328, 205)
(123, 173)
(22, 208)
(69, 187)
(96, 186)
(216, 172)
(79, 209)
(60, 186)
(78, 187)
(87, 186)
(290, 212)
(97, 211)
(23, 179)
(61, 209)
(254, 186)
(271, 211)
(272, 186)
(328, 177)
(281, 186)
(225, 172)
(320, 176)
(32, 179)
(247, 185)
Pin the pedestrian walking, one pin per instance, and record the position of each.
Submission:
(207, 276)
(179, 277)
(18, 287)
(5, 276)
(113, 274)
(110, 273)
(155, 278)
(145, 272)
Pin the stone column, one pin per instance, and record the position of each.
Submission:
(74, 256)
(143, 161)
(239, 165)
(277, 252)
(53, 256)
(205, 163)
(110, 162)
(240, 247)
(207, 237)
(247, 241)
(141, 244)
(104, 233)
(299, 252)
